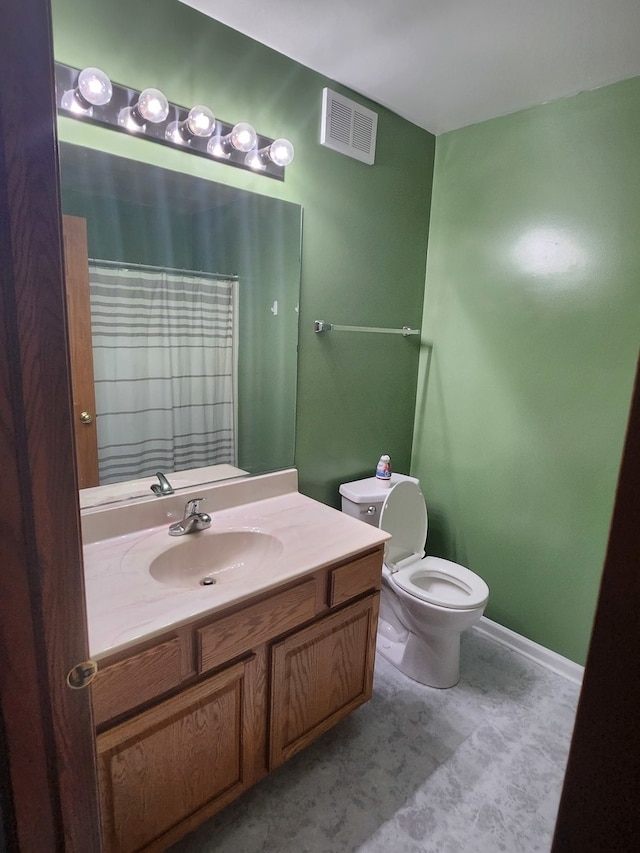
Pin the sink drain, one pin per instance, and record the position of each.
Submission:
(207, 581)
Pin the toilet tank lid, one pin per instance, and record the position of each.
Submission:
(371, 490)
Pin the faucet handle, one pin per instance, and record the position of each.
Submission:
(193, 519)
(192, 507)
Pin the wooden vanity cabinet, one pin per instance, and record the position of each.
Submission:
(190, 720)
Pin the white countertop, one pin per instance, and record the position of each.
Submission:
(125, 604)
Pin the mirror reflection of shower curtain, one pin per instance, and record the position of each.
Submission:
(165, 364)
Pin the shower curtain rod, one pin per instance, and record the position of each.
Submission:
(153, 268)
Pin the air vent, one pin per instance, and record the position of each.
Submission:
(348, 127)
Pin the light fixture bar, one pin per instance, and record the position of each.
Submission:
(123, 98)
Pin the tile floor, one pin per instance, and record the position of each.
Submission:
(477, 768)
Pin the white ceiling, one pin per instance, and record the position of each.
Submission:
(444, 64)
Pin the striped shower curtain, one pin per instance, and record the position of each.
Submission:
(165, 365)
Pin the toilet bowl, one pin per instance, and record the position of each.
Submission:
(426, 602)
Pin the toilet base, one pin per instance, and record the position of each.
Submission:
(433, 660)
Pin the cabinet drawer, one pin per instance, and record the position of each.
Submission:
(137, 679)
(355, 578)
(233, 635)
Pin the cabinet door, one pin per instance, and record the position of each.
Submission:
(170, 767)
(319, 675)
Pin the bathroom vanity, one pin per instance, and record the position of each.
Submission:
(203, 689)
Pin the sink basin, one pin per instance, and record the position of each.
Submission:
(207, 558)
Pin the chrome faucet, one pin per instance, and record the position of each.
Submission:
(193, 519)
(164, 487)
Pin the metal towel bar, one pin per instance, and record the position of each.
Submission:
(321, 326)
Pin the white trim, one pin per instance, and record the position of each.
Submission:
(545, 657)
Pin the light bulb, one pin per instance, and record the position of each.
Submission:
(95, 87)
(216, 148)
(71, 102)
(174, 133)
(200, 121)
(153, 106)
(281, 152)
(255, 161)
(129, 119)
(242, 137)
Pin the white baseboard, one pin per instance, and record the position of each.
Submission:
(535, 652)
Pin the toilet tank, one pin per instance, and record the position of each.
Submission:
(363, 499)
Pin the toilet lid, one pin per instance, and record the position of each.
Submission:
(444, 583)
(404, 516)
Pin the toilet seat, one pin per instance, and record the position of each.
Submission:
(431, 579)
(443, 583)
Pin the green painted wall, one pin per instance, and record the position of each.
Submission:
(365, 227)
(121, 231)
(259, 239)
(532, 305)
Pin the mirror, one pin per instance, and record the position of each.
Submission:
(146, 223)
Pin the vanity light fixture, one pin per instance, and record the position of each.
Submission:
(200, 122)
(89, 95)
(93, 89)
(151, 106)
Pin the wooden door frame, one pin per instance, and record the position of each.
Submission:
(49, 768)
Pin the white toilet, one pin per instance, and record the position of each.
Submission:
(426, 602)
